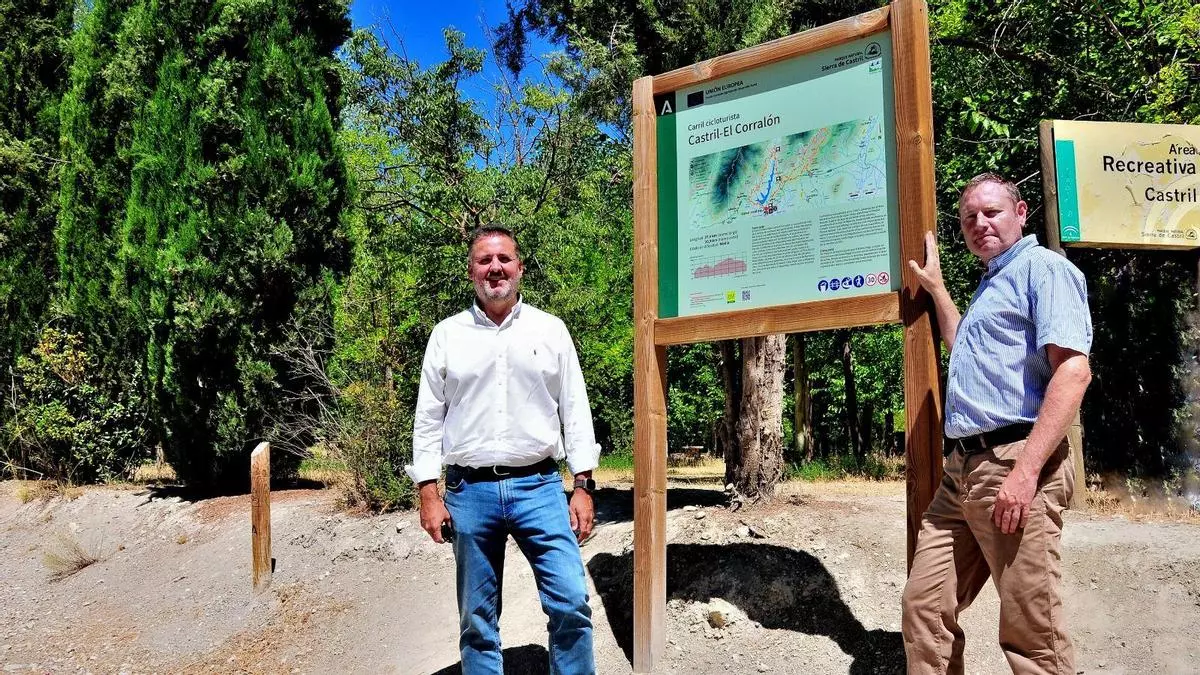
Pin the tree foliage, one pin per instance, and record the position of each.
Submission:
(201, 206)
(34, 36)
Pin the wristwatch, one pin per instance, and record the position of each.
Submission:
(586, 484)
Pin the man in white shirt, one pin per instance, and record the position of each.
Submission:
(501, 389)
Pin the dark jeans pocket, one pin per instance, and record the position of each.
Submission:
(455, 480)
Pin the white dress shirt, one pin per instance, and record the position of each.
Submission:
(502, 395)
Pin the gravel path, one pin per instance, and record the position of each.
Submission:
(809, 585)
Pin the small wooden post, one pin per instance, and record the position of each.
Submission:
(1054, 243)
(260, 515)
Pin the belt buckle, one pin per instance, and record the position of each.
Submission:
(496, 470)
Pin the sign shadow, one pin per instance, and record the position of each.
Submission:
(775, 586)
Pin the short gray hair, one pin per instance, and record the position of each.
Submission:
(484, 231)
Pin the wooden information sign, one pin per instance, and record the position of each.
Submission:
(781, 189)
(1121, 185)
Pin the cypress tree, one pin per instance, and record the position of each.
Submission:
(33, 40)
(201, 221)
(231, 235)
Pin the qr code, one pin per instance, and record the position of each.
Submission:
(745, 295)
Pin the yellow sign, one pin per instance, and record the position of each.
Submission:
(1128, 185)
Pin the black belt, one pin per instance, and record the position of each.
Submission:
(989, 439)
(485, 473)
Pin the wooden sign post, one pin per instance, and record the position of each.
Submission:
(779, 189)
(260, 516)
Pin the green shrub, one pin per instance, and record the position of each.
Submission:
(617, 461)
(65, 423)
(373, 439)
(840, 467)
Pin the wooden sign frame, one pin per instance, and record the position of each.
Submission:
(911, 305)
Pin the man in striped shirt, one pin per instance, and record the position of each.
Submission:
(1018, 372)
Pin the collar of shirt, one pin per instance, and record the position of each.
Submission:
(483, 319)
(999, 262)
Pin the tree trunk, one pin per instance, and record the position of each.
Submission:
(760, 418)
(803, 410)
(851, 417)
(889, 434)
(867, 427)
(725, 435)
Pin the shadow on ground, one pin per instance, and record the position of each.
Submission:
(523, 660)
(157, 490)
(775, 586)
(615, 506)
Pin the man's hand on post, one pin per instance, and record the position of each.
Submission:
(433, 510)
(582, 512)
(1011, 510)
(930, 275)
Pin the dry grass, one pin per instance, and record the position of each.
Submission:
(154, 472)
(181, 539)
(45, 490)
(1114, 501)
(709, 470)
(330, 477)
(67, 557)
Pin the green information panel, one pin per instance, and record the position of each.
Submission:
(778, 185)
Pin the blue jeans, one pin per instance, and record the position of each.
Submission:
(533, 510)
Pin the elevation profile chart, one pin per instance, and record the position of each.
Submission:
(733, 265)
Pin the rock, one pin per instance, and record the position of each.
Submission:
(743, 531)
(717, 619)
(705, 536)
(400, 525)
(755, 532)
(762, 667)
(700, 515)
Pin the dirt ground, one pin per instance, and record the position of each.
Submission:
(819, 592)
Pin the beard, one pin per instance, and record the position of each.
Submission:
(504, 291)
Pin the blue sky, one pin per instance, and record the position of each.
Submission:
(420, 23)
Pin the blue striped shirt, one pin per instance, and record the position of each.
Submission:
(1029, 297)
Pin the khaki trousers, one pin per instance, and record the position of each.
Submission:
(960, 547)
